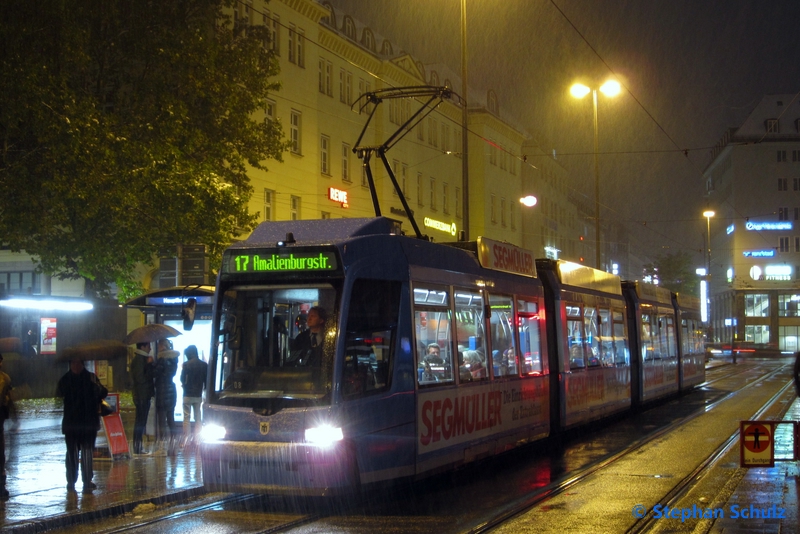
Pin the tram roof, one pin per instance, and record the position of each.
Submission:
(268, 234)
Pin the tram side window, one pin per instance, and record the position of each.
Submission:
(575, 337)
(504, 352)
(432, 321)
(648, 337)
(605, 337)
(620, 349)
(370, 336)
(592, 348)
(530, 340)
(668, 326)
(470, 339)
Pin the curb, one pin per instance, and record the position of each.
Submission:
(67, 520)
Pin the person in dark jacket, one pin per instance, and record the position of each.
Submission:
(193, 380)
(166, 394)
(143, 377)
(82, 393)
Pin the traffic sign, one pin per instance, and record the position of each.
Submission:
(757, 448)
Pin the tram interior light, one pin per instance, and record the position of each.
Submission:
(212, 432)
(324, 435)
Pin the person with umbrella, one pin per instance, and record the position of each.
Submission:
(166, 394)
(82, 393)
(143, 373)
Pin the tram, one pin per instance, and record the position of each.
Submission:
(428, 356)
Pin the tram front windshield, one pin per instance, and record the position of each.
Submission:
(275, 342)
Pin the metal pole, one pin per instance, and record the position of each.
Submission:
(464, 123)
(596, 188)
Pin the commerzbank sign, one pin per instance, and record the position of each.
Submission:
(759, 226)
(449, 228)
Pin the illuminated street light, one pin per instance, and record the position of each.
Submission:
(610, 88)
(708, 214)
(528, 201)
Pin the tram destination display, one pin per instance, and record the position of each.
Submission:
(280, 261)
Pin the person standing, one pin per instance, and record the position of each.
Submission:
(82, 393)
(166, 394)
(143, 376)
(193, 380)
(307, 345)
(6, 411)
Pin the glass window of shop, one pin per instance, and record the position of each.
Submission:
(788, 305)
(788, 338)
(756, 305)
(756, 333)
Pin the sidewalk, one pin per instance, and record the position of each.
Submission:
(39, 499)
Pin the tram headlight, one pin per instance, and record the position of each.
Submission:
(324, 435)
(212, 432)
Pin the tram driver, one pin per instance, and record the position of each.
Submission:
(307, 345)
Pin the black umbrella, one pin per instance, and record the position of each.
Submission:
(101, 349)
(150, 333)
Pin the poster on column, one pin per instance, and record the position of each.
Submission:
(48, 335)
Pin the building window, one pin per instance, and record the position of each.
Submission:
(445, 138)
(395, 165)
(325, 75)
(458, 202)
(757, 333)
(503, 212)
(795, 156)
(445, 198)
(783, 184)
(21, 283)
(269, 203)
(270, 110)
(294, 132)
(493, 208)
(296, 46)
(492, 152)
(364, 177)
(797, 244)
(433, 132)
(421, 130)
(325, 155)
(783, 244)
(294, 208)
(781, 156)
(796, 184)
(273, 24)
(324, 215)
(404, 179)
(772, 126)
(346, 87)
(345, 162)
(783, 214)
(511, 216)
(756, 305)
(420, 190)
(788, 305)
(433, 194)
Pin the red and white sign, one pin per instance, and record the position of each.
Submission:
(115, 434)
(505, 257)
(756, 444)
(49, 333)
(338, 195)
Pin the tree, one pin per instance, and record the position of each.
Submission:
(127, 127)
(675, 272)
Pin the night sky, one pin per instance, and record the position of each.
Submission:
(692, 69)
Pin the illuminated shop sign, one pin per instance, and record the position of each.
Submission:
(450, 228)
(758, 226)
(505, 257)
(176, 301)
(759, 253)
(729, 230)
(265, 261)
(338, 195)
(780, 273)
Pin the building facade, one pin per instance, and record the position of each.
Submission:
(753, 185)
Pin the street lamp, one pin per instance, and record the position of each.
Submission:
(610, 88)
(708, 214)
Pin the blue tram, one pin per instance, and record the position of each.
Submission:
(424, 356)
